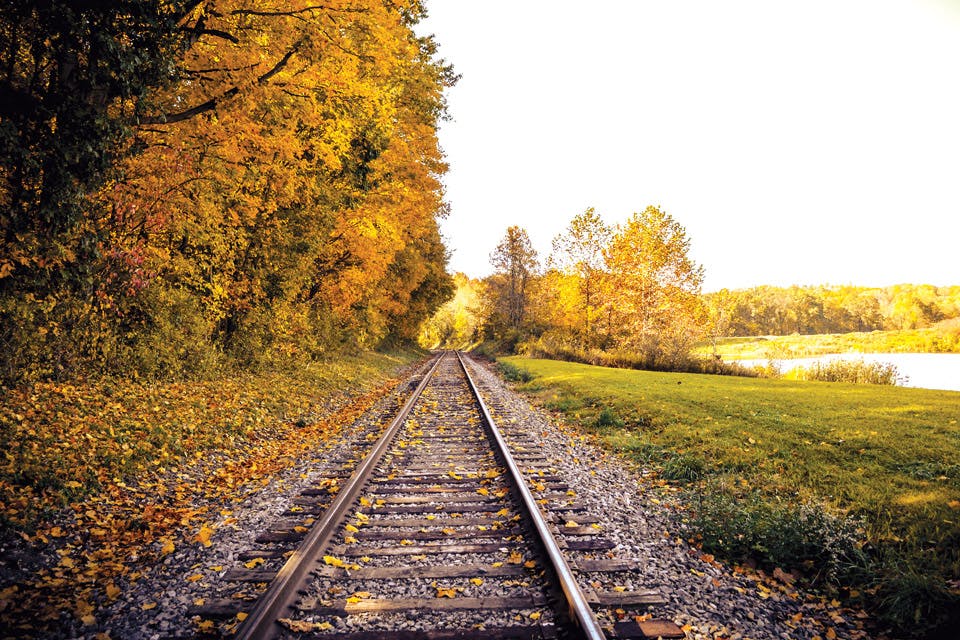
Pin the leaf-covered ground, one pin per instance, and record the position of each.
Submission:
(99, 478)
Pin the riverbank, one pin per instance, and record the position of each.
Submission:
(942, 338)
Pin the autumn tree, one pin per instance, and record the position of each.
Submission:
(654, 288)
(515, 264)
(280, 191)
(578, 252)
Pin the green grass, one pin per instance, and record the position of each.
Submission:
(941, 339)
(888, 455)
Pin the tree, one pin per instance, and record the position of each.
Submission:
(579, 252)
(654, 288)
(274, 185)
(73, 77)
(515, 264)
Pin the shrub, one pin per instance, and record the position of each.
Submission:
(512, 373)
(855, 371)
(806, 537)
(607, 418)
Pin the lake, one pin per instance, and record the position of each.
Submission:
(924, 370)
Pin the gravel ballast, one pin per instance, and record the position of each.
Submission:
(637, 513)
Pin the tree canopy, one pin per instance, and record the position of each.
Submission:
(263, 182)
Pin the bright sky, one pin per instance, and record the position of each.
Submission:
(802, 142)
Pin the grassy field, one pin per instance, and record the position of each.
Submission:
(941, 339)
(887, 455)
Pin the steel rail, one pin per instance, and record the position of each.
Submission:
(262, 621)
(580, 611)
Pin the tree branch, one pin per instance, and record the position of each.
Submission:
(229, 93)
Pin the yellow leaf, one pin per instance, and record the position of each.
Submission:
(570, 524)
(515, 557)
(168, 546)
(448, 530)
(535, 615)
(88, 620)
(530, 564)
(350, 540)
(146, 606)
(954, 504)
(242, 616)
(254, 563)
(619, 589)
(364, 502)
(365, 559)
(353, 599)
(497, 564)
(446, 593)
(477, 581)
(332, 561)
(483, 491)
(206, 626)
(195, 577)
(300, 529)
(351, 528)
(362, 594)
(112, 591)
(831, 634)
(203, 536)
(430, 516)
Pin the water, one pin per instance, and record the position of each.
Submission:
(924, 370)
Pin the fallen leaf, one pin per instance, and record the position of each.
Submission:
(446, 593)
(477, 581)
(146, 606)
(195, 577)
(254, 563)
(203, 536)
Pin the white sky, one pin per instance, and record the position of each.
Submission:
(802, 142)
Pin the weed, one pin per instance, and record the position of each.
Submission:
(684, 468)
(607, 418)
(912, 600)
(805, 537)
(513, 373)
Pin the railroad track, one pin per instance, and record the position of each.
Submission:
(449, 527)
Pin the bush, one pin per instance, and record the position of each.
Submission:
(806, 537)
(512, 373)
(855, 371)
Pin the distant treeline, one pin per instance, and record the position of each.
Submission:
(770, 310)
